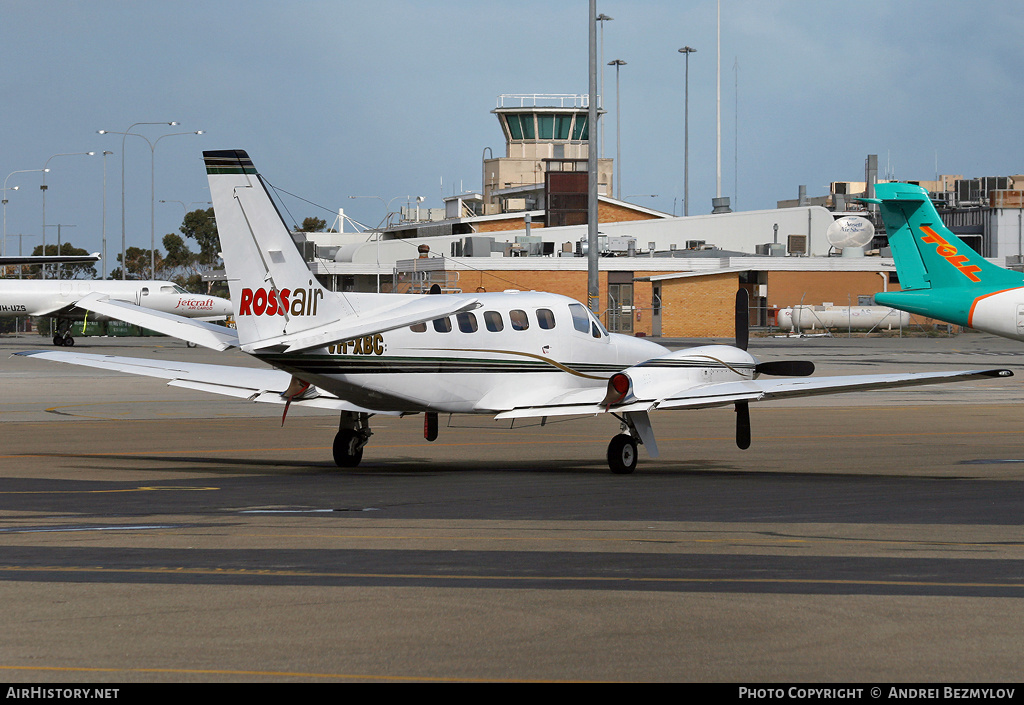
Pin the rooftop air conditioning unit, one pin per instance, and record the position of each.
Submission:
(797, 244)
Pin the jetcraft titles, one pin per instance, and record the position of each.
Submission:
(945, 693)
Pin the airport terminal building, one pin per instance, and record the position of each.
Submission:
(660, 274)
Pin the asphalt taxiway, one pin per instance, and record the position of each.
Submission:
(157, 534)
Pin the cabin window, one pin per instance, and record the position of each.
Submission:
(145, 291)
(443, 325)
(467, 322)
(493, 321)
(580, 319)
(545, 319)
(420, 327)
(518, 319)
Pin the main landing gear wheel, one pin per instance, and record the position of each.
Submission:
(348, 448)
(62, 336)
(622, 455)
(353, 433)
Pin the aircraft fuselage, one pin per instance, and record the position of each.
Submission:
(21, 297)
(513, 351)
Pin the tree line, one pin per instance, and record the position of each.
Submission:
(178, 262)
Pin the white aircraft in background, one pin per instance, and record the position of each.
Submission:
(70, 300)
(508, 355)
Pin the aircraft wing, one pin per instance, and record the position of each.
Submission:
(194, 331)
(254, 384)
(724, 393)
(52, 310)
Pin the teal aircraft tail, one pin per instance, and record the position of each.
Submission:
(940, 275)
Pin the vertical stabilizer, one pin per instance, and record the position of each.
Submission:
(940, 275)
(272, 289)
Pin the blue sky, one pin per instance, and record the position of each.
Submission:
(392, 99)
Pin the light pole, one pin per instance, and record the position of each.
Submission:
(43, 188)
(152, 198)
(13, 188)
(184, 206)
(618, 131)
(105, 155)
(602, 18)
(387, 214)
(686, 51)
(60, 265)
(20, 237)
(152, 207)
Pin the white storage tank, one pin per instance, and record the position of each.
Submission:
(801, 318)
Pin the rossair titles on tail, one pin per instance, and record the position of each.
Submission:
(507, 355)
(940, 275)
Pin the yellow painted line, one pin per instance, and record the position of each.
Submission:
(267, 674)
(498, 578)
(136, 489)
(761, 542)
(191, 452)
(508, 442)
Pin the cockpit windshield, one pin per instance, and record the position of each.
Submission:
(173, 289)
(586, 322)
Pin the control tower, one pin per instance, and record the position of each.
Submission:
(543, 132)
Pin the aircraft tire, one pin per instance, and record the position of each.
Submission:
(622, 455)
(69, 342)
(58, 341)
(346, 453)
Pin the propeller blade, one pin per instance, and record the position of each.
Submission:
(742, 425)
(742, 320)
(786, 368)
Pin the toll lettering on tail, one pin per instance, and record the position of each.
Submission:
(949, 252)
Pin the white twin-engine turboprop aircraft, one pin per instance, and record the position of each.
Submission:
(507, 355)
(70, 300)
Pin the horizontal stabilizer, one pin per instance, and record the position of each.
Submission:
(202, 333)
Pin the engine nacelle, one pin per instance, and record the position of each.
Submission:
(660, 376)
